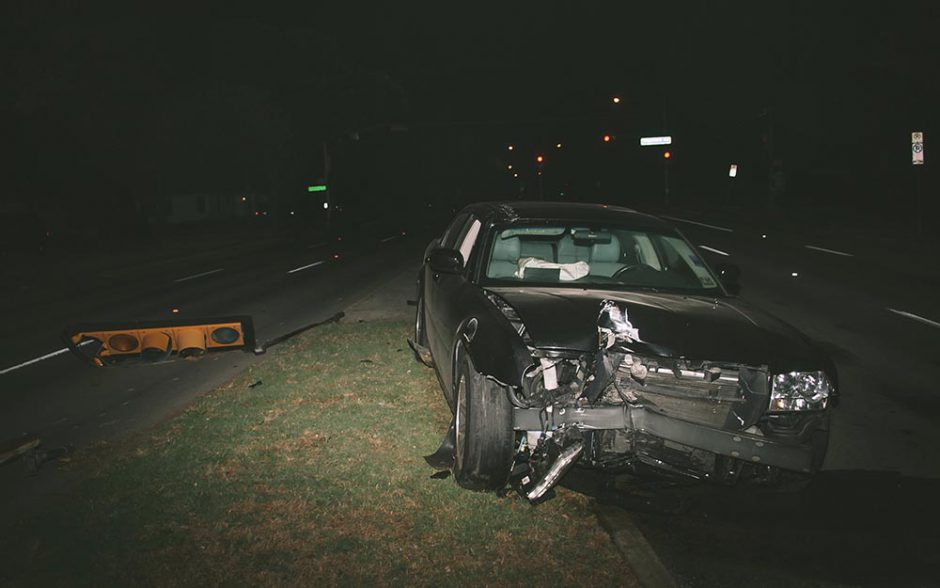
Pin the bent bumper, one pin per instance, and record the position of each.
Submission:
(791, 453)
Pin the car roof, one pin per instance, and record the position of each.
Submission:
(525, 211)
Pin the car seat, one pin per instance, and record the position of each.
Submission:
(605, 257)
(505, 258)
(569, 252)
(539, 249)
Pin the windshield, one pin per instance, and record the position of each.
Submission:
(610, 257)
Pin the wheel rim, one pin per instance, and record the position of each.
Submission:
(460, 422)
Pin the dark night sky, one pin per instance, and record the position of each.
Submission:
(109, 103)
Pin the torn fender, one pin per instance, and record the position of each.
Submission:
(496, 349)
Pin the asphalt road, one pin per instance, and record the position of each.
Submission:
(284, 282)
(869, 518)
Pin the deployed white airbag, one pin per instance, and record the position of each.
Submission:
(567, 271)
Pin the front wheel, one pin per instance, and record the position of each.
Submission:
(421, 337)
(484, 445)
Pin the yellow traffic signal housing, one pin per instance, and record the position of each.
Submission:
(108, 343)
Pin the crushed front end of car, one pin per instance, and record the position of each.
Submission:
(632, 406)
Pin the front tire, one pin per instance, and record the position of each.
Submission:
(484, 447)
(421, 337)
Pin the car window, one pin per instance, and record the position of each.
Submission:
(469, 239)
(683, 259)
(449, 239)
(595, 256)
(645, 252)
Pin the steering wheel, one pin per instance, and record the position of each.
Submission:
(639, 267)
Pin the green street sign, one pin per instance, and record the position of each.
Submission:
(318, 188)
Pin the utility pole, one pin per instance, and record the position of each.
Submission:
(328, 184)
(917, 159)
(666, 156)
(666, 179)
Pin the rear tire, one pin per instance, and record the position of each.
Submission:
(484, 447)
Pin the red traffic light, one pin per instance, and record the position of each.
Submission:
(539, 159)
(608, 138)
(667, 154)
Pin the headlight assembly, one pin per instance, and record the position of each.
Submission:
(511, 315)
(800, 391)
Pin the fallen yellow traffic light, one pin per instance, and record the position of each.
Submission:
(153, 341)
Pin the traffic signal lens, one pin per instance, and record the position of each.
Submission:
(123, 342)
(191, 342)
(156, 346)
(667, 154)
(225, 335)
(607, 138)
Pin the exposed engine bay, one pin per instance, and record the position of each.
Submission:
(633, 406)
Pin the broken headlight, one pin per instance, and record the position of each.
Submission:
(511, 315)
(800, 391)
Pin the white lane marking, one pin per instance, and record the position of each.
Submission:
(832, 251)
(909, 315)
(41, 358)
(194, 276)
(308, 266)
(692, 222)
(713, 250)
(387, 239)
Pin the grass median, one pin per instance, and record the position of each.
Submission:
(305, 470)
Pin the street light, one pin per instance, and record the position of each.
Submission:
(607, 138)
(557, 145)
(539, 159)
(616, 99)
(510, 148)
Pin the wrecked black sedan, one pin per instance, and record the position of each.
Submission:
(590, 334)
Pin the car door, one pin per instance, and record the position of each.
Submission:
(428, 283)
(444, 293)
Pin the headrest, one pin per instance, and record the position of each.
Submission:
(539, 249)
(608, 252)
(507, 249)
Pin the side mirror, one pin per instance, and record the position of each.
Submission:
(730, 276)
(445, 261)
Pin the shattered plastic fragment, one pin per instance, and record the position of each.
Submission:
(639, 371)
(613, 319)
(548, 373)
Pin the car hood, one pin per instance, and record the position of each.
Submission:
(700, 328)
